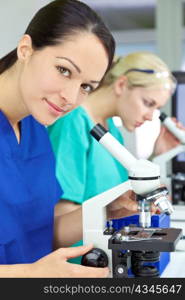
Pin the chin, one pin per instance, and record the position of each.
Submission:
(48, 123)
(130, 128)
(44, 121)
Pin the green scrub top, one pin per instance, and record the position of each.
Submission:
(84, 167)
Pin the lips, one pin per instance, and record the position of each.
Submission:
(138, 124)
(54, 106)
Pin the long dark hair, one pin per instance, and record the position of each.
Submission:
(56, 21)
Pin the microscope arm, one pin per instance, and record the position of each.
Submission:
(95, 218)
(162, 159)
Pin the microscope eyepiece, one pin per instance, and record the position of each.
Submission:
(98, 131)
(172, 127)
(162, 116)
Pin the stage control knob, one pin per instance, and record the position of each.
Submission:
(121, 271)
(95, 258)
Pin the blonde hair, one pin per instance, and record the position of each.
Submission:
(142, 69)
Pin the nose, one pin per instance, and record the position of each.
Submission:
(69, 95)
(149, 116)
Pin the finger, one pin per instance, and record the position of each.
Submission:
(77, 251)
(178, 124)
(70, 252)
(127, 204)
(174, 119)
(163, 130)
(155, 210)
(120, 213)
(90, 272)
(130, 205)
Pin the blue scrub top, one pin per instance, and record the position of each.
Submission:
(29, 191)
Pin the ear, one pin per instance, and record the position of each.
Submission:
(24, 48)
(120, 84)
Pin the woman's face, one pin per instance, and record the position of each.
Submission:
(56, 79)
(138, 104)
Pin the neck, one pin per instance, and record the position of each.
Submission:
(11, 102)
(100, 105)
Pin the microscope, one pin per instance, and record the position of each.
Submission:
(130, 249)
(177, 189)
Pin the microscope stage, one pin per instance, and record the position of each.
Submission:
(145, 239)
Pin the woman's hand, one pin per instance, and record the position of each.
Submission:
(166, 140)
(56, 265)
(126, 205)
(123, 206)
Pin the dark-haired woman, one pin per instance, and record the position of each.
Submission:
(61, 58)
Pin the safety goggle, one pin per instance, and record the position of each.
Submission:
(158, 74)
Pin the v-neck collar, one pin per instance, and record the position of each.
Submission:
(9, 133)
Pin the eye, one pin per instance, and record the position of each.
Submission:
(87, 88)
(64, 71)
(148, 103)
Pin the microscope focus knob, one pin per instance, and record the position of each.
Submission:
(95, 258)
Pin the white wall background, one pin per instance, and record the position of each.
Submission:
(14, 18)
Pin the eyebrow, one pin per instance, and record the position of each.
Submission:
(76, 67)
(68, 59)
